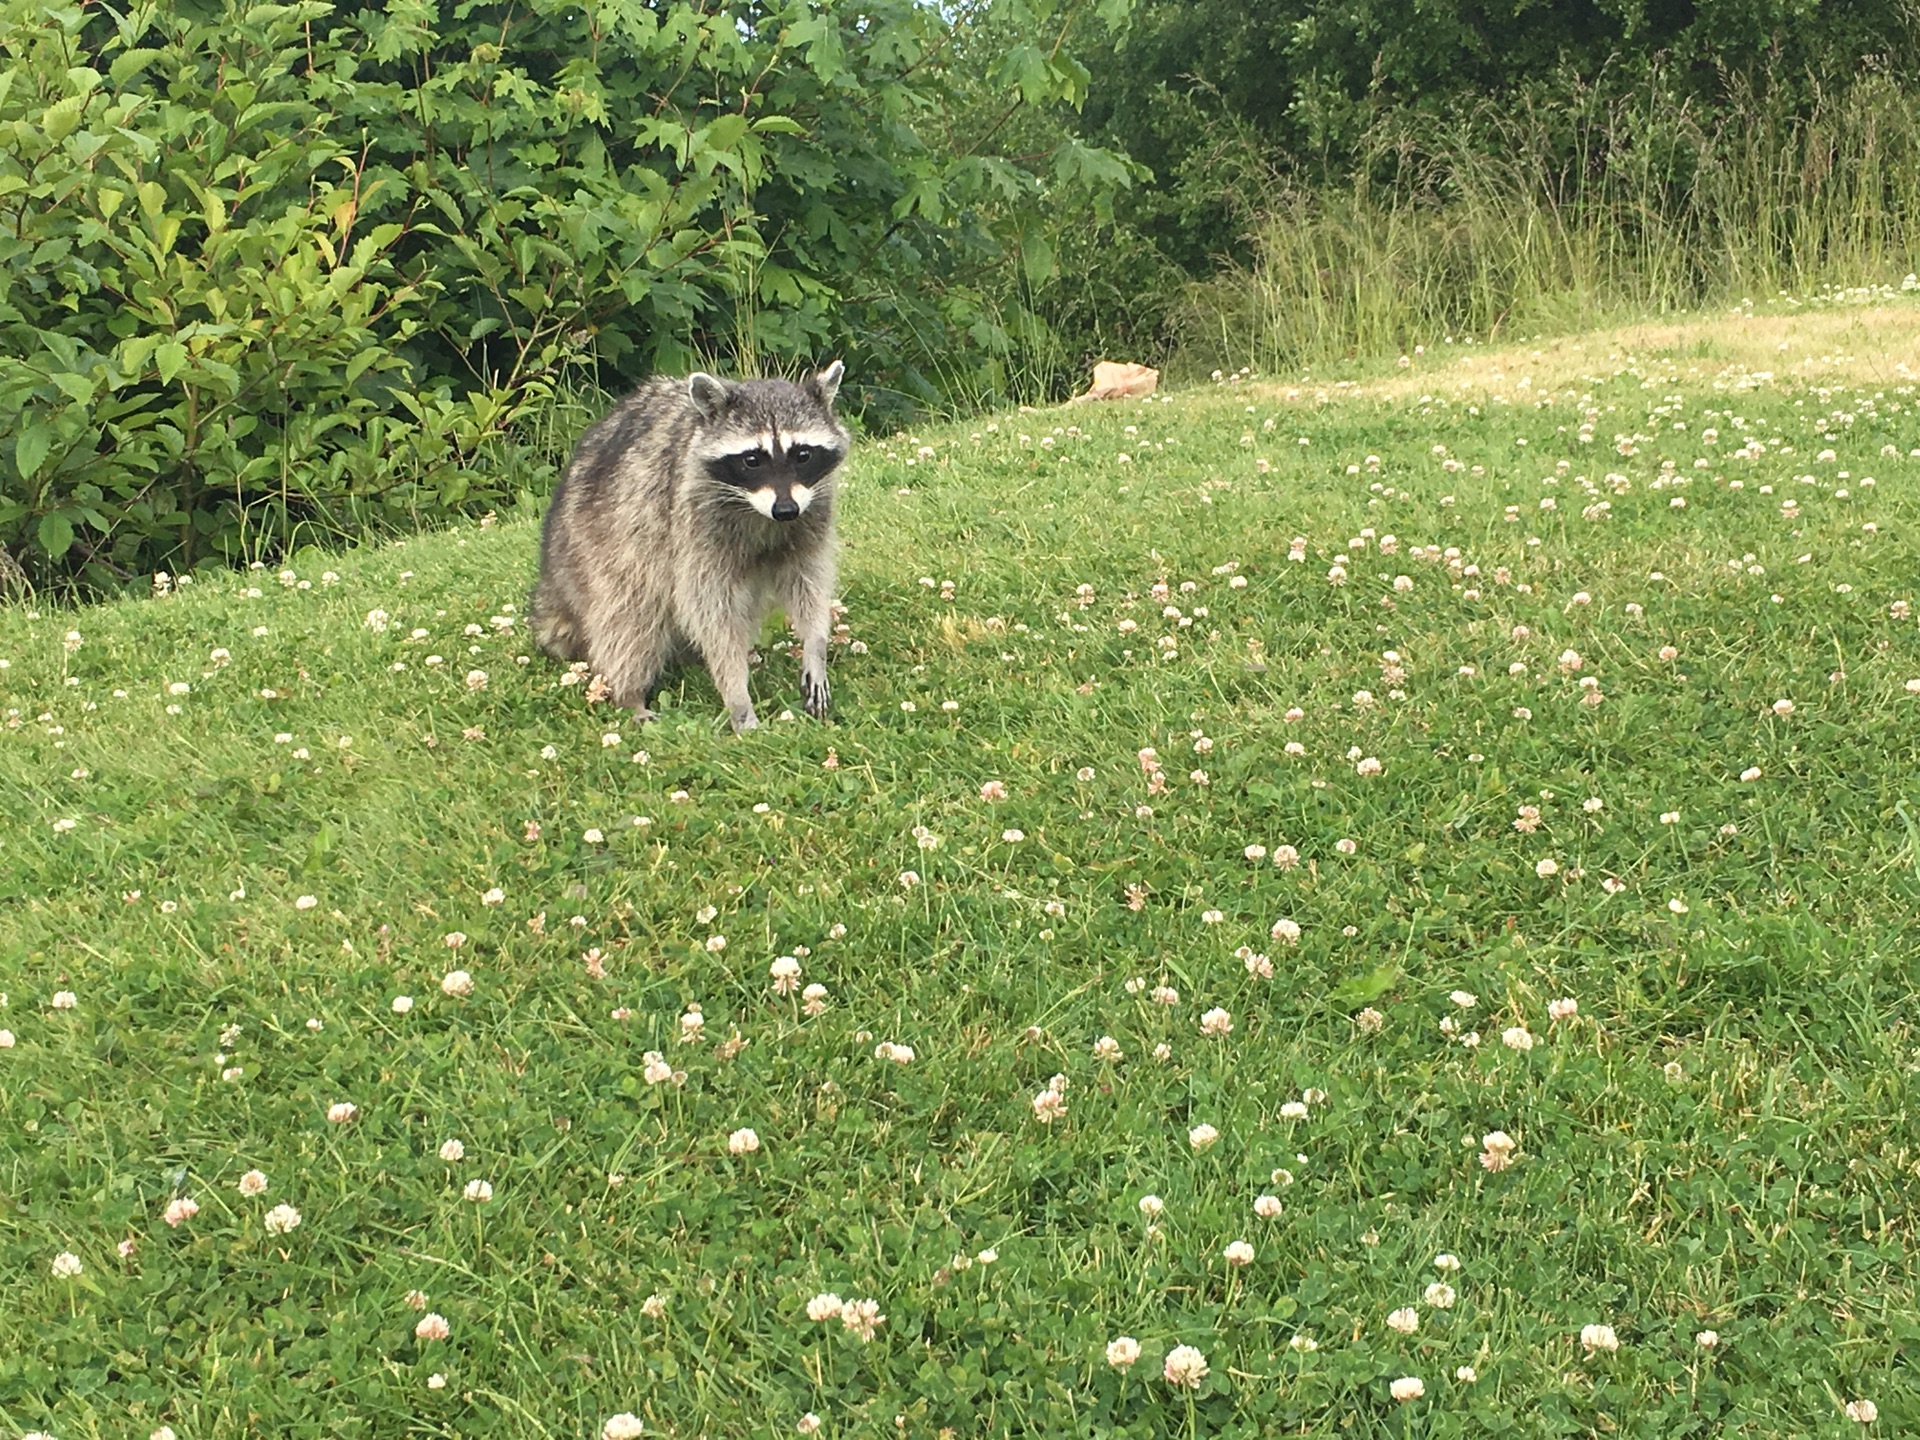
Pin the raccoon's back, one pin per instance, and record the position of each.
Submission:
(629, 458)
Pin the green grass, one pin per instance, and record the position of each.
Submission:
(1722, 1139)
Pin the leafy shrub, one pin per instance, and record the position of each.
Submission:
(271, 268)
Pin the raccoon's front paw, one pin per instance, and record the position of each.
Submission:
(744, 720)
(641, 714)
(816, 695)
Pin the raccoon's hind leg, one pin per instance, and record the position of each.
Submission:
(555, 628)
(630, 661)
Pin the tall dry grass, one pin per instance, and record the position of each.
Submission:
(1556, 215)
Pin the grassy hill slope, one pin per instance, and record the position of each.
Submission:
(1617, 701)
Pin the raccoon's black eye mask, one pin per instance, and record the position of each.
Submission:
(803, 460)
(749, 467)
(811, 458)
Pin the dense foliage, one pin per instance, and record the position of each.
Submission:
(1230, 97)
(267, 267)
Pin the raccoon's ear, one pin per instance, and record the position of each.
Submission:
(826, 383)
(709, 394)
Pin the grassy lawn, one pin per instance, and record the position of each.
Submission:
(1618, 703)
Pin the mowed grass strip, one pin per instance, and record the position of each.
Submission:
(1131, 827)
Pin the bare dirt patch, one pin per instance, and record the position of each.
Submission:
(1741, 350)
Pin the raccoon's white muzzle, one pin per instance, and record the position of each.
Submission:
(766, 498)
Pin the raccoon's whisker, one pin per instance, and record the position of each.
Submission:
(732, 499)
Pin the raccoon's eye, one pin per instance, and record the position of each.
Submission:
(752, 459)
(801, 454)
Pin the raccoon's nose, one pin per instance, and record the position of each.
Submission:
(785, 509)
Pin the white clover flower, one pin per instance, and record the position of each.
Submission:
(281, 1220)
(1186, 1367)
(825, 1306)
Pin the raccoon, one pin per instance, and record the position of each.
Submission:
(685, 516)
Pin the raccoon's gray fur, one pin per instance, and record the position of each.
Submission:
(685, 516)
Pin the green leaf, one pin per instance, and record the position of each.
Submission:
(62, 116)
(724, 133)
(170, 358)
(819, 36)
(75, 386)
(129, 63)
(357, 366)
(1027, 66)
(30, 449)
(1036, 257)
(135, 352)
(1362, 989)
(319, 849)
(55, 533)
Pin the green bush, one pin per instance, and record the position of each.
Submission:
(200, 345)
(269, 269)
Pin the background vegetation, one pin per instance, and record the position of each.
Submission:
(271, 272)
(270, 267)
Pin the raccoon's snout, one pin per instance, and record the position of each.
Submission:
(780, 503)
